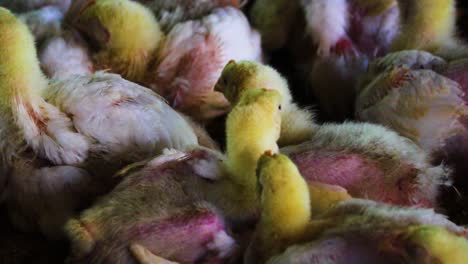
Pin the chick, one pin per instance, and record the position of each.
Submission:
(182, 186)
(285, 222)
(155, 207)
(348, 34)
(109, 23)
(370, 162)
(422, 97)
(192, 58)
(428, 25)
(297, 125)
(274, 20)
(63, 139)
(171, 12)
(408, 95)
(359, 231)
(349, 231)
(252, 127)
(285, 207)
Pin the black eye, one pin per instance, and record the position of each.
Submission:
(279, 107)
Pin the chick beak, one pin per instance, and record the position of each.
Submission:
(269, 153)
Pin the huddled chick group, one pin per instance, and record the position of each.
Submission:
(109, 113)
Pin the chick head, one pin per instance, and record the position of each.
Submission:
(253, 126)
(126, 33)
(238, 77)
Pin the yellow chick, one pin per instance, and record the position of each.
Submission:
(61, 140)
(325, 196)
(252, 127)
(426, 25)
(288, 206)
(443, 246)
(360, 231)
(285, 205)
(297, 125)
(126, 32)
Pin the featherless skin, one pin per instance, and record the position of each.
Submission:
(63, 139)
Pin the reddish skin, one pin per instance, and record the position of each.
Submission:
(360, 176)
(182, 236)
(344, 45)
(202, 226)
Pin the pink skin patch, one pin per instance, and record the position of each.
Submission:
(183, 238)
(363, 178)
(344, 45)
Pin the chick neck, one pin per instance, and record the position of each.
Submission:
(285, 198)
(21, 79)
(426, 24)
(251, 130)
(285, 203)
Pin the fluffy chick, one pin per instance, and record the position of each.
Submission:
(359, 231)
(285, 207)
(297, 125)
(370, 162)
(192, 58)
(168, 195)
(350, 230)
(109, 24)
(422, 97)
(157, 207)
(348, 34)
(408, 95)
(252, 127)
(56, 134)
